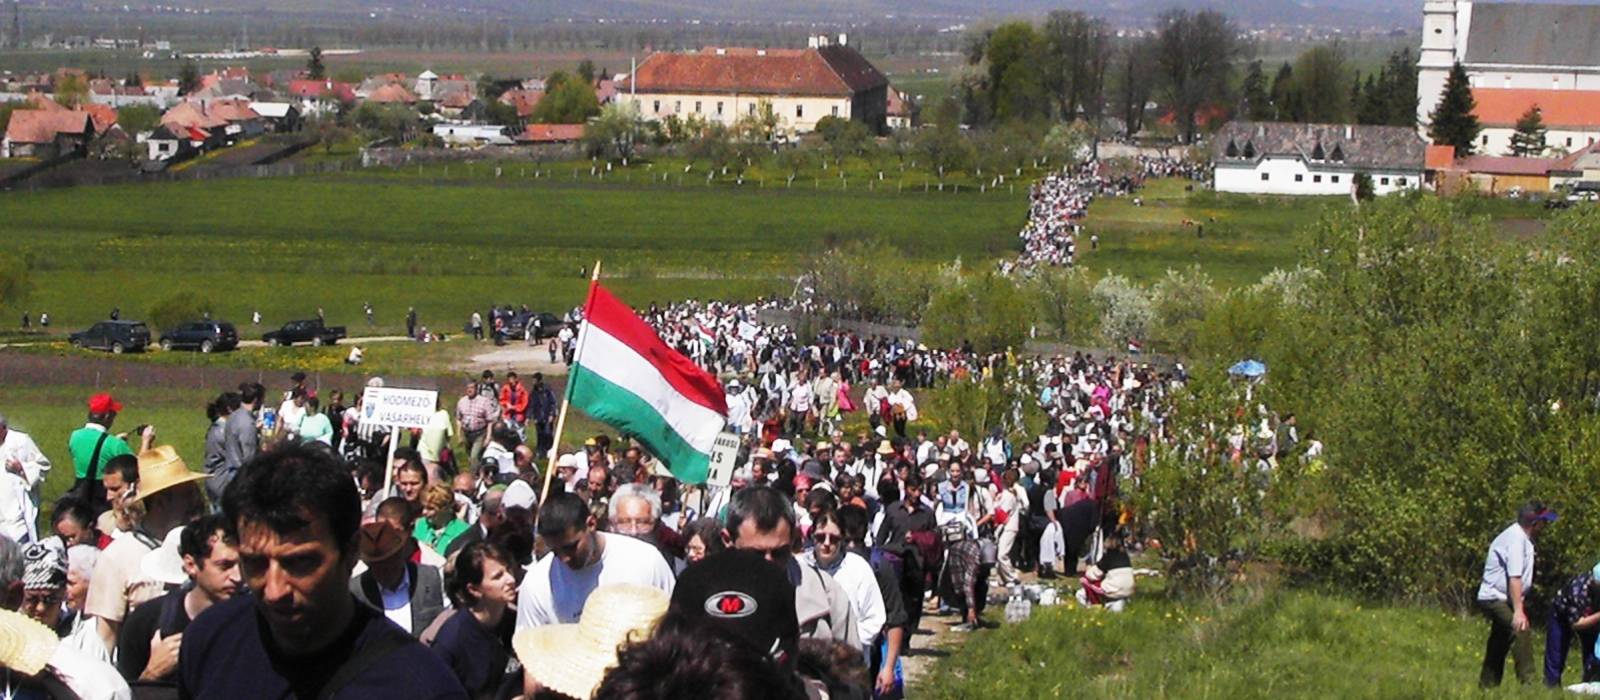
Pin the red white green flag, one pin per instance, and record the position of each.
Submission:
(626, 377)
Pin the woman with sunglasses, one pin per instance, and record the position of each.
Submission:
(852, 572)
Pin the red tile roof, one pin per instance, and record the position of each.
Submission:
(550, 133)
(1502, 107)
(392, 93)
(42, 126)
(1440, 157)
(191, 115)
(104, 116)
(45, 102)
(1508, 165)
(232, 111)
(831, 71)
(324, 89)
(524, 100)
(899, 106)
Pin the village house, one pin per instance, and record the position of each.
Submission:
(535, 134)
(47, 134)
(315, 98)
(898, 114)
(801, 86)
(1315, 159)
(457, 134)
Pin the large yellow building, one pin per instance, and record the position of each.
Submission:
(723, 85)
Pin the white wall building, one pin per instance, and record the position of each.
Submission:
(724, 85)
(1509, 45)
(1315, 159)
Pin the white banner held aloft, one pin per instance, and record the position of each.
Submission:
(398, 408)
(724, 457)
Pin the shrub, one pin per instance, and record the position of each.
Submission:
(1124, 309)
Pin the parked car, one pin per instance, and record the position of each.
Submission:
(545, 324)
(205, 336)
(117, 336)
(307, 331)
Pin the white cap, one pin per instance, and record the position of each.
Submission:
(567, 461)
(780, 446)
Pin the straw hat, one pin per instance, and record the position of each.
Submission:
(885, 448)
(161, 468)
(25, 644)
(573, 659)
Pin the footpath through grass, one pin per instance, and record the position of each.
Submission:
(1276, 644)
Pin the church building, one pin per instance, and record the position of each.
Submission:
(1517, 55)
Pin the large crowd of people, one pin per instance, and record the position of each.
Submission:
(1058, 203)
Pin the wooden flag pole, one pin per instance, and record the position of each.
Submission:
(566, 394)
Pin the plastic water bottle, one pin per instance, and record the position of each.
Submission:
(1014, 610)
(1024, 608)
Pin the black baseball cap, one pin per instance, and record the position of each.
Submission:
(740, 593)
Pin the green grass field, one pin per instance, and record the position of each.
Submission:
(287, 246)
(1278, 644)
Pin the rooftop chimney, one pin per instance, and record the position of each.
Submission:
(1349, 131)
(843, 39)
(811, 42)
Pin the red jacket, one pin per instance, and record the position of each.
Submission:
(514, 402)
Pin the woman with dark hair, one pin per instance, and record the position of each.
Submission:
(698, 663)
(482, 586)
(705, 538)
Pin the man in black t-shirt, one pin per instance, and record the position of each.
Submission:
(296, 515)
(147, 644)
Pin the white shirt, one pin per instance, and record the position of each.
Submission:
(20, 447)
(855, 574)
(554, 594)
(17, 512)
(1511, 554)
(289, 416)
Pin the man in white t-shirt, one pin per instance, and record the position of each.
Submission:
(1507, 574)
(581, 559)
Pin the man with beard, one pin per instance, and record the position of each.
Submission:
(147, 644)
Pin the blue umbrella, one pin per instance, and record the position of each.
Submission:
(1248, 368)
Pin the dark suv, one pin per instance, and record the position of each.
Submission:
(204, 336)
(116, 336)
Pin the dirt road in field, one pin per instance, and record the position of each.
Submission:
(524, 358)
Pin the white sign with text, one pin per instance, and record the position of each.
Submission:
(398, 408)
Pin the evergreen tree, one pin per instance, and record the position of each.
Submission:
(1257, 103)
(1355, 95)
(1453, 123)
(188, 78)
(1374, 107)
(1529, 139)
(315, 70)
(1283, 94)
(1400, 89)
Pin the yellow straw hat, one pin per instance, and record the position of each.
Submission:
(25, 644)
(573, 659)
(161, 468)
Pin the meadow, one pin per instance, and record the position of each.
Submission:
(1262, 642)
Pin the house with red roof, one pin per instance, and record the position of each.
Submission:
(899, 112)
(393, 93)
(1571, 117)
(47, 133)
(524, 99)
(551, 133)
(723, 85)
(315, 97)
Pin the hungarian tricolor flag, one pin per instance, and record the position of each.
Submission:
(626, 377)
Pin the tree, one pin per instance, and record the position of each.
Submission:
(315, 70)
(568, 99)
(1068, 144)
(1078, 52)
(586, 71)
(1321, 83)
(943, 147)
(497, 112)
(72, 91)
(393, 121)
(1256, 103)
(1016, 79)
(328, 132)
(1529, 139)
(137, 119)
(616, 132)
(1136, 73)
(845, 137)
(1195, 54)
(1453, 123)
(989, 310)
(1284, 105)
(1399, 90)
(1364, 191)
(188, 78)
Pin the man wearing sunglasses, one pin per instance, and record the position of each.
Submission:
(579, 560)
(761, 519)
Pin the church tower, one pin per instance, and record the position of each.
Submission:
(1445, 24)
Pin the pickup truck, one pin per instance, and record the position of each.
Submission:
(309, 331)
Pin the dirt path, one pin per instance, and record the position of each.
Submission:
(517, 356)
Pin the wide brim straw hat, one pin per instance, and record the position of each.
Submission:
(26, 645)
(573, 659)
(160, 468)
